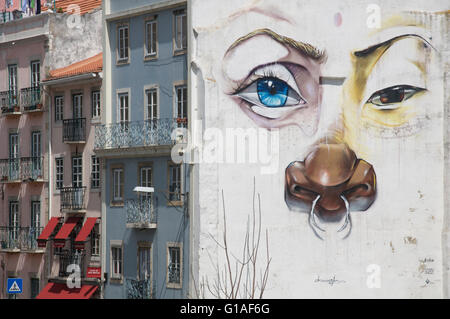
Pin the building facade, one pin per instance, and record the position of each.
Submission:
(30, 47)
(144, 195)
(75, 95)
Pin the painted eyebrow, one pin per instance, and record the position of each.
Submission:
(304, 48)
(371, 49)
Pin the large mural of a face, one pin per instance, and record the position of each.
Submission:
(355, 94)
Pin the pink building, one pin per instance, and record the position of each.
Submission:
(23, 177)
(30, 47)
(75, 93)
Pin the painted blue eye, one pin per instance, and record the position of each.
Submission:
(272, 92)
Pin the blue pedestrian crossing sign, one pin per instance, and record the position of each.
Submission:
(14, 285)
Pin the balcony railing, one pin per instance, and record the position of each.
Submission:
(30, 99)
(72, 198)
(140, 213)
(135, 134)
(140, 289)
(19, 238)
(67, 258)
(9, 102)
(31, 168)
(21, 169)
(10, 170)
(74, 130)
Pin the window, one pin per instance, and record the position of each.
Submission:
(77, 171)
(180, 38)
(151, 38)
(95, 242)
(36, 215)
(174, 264)
(117, 184)
(181, 105)
(35, 73)
(146, 181)
(95, 104)
(174, 182)
(116, 261)
(124, 114)
(151, 111)
(14, 165)
(144, 262)
(59, 108)
(95, 172)
(123, 43)
(59, 164)
(12, 80)
(77, 100)
(34, 287)
(14, 220)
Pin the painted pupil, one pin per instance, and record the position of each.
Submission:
(272, 92)
(392, 96)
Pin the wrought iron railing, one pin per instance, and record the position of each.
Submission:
(30, 98)
(23, 238)
(9, 102)
(72, 198)
(32, 168)
(74, 130)
(140, 211)
(140, 289)
(10, 170)
(135, 134)
(21, 169)
(67, 258)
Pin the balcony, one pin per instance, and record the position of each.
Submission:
(74, 130)
(10, 170)
(30, 99)
(140, 213)
(27, 169)
(9, 103)
(140, 134)
(32, 169)
(16, 239)
(140, 289)
(67, 258)
(73, 199)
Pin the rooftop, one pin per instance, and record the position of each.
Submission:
(91, 65)
(86, 6)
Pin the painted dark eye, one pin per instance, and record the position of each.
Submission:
(387, 98)
(272, 92)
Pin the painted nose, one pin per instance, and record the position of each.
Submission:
(334, 177)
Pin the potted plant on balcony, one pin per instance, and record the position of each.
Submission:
(16, 109)
(181, 120)
(4, 177)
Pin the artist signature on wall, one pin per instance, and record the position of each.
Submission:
(330, 281)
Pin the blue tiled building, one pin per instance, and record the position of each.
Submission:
(146, 229)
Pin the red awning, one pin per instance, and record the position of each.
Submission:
(86, 230)
(61, 291)
(65, 231)
(47, 232)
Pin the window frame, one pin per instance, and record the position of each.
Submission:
(169, 246)
(154, 88)
(34, 73)
(180, 85)
(57, 106)
(116, 244)
(96, 108)
(151, 21)
(144, 245)
(61, 174)
(119, 59)
(97, 175)
(177, 50)
(119, 94)
(179, 202)
(117, 201)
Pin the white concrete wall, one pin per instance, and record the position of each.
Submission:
(404, 232)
